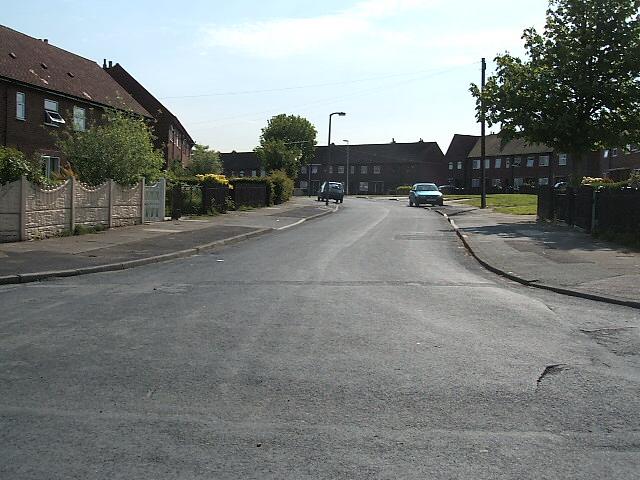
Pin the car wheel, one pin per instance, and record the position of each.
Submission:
(410, 203)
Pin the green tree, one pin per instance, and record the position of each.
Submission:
(287, 142)
(120, 148)
(204, 160)
(578, 90)
(14, 164)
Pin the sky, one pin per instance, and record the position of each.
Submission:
(400, 69)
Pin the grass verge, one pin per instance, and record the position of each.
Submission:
(511, 203)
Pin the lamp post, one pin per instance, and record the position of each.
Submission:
(347, 189)
(326, 192)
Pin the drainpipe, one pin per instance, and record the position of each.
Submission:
(6, 115)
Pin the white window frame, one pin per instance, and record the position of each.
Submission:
(50, 164)
(543, 161)
(450, 165)
(352, 170)
(562, 159)
(330, 168)
(363, 169)
(303, 184)
(363, 187)
(507, 162)
(303, 169)
(376, 169)
(253, 173)
(314, 169)
(475, 182)
(543, 181)
(21, 106)
(498, 163)
(487, 163)
(517, 162)
(530, 162)
(518, 181)
(341, 169)
(459, 165)
(79, 121)
(51, 115)
(496, 182)
(476, 164)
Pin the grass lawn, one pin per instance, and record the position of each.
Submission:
(513, 203)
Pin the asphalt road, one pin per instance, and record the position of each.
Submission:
(366, 344)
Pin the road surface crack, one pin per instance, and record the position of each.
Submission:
(550, 370)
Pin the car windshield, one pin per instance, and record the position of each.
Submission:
(336, 185)
(426, 187)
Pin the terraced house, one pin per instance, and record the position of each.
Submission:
(44, 88)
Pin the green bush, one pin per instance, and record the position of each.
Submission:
(282, 186)
(403, 190)
(14, 164)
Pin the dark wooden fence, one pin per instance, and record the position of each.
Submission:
(597, 210)
(249, 194)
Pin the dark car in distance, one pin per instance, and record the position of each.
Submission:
(424, 193)
(335, 191)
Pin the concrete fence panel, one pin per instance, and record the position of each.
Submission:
(127, 204)
(46, 211)
(91, 204)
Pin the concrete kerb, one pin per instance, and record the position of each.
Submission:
(535, 284)
(312, 217)
(37, 276)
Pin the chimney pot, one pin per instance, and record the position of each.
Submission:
(104, 63)
(110, 64)
(45, 40)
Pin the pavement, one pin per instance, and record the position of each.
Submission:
(128, 247)
(551, 256)
(543, 255)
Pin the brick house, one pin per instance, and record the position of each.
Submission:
(619, 163)
(241, 164)
(374, 168)
(456, 159)
(515, 164)
(44, 88)
(171, 137)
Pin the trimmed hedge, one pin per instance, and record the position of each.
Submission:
(266, 181)
(403, 190)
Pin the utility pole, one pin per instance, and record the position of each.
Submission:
(483, 173)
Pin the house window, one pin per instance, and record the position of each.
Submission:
(543, 161)
(170, 134)
(253, 173)
(178, 140)
(363, 169)
(518, 182)
(330, 168)
(476, 164)
(364, 186)
(487, 163)
(562, 159)
(79, 119)
(340, 168)
(51, 115)
(507, 162)
(543, 181)
(530, 161)
(241, 173)
(21, 110)
(303, 184)
(614, 152)
(303, 169)
(496, 182)
(450, 165)
(376, 169)
(314, 169)
(498, 163)
(263, 173)
(50, 165)
(517, 161)
(475, 182)
(352, 169)
(459, 165)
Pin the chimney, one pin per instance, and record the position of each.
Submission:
(45, 40)
(104, 63)
(110, 64)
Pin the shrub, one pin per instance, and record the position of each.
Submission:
(14, 164)
(403, 190)
(213, 178)
(282, 186)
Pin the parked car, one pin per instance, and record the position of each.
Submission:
(424, 193)
(448, 189)
(334, 192)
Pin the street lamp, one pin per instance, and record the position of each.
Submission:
(326, 186)
(347, 142)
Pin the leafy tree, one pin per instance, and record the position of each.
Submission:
(277, 155)
(14, 164)
(119, 148)
(579, 89)
(204, 161)
(287, 142)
